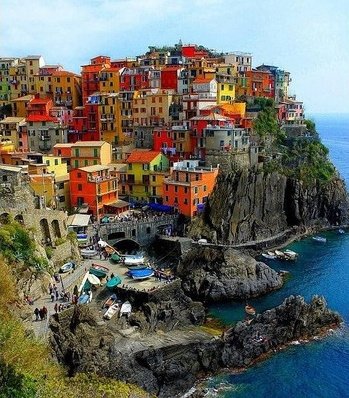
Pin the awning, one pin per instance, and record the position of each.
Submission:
(78, 220)
(119, 204)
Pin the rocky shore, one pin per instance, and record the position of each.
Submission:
(168, 364)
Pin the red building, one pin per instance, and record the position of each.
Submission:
(162, 140)
(89, 76)
(260, 83)
(39, 106)
(94, 186)
(191, 51)
(169, 77)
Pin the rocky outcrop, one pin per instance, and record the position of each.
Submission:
(251, 205)
(214, 274)
(168, 364)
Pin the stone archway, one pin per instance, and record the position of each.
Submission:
(55, 228)
(45, 231)
(4, 218)
(19, 218)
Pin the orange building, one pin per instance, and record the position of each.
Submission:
(189, 186)
(94, 186)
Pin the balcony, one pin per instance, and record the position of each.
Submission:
(100, 179)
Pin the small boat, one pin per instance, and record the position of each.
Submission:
(81, 236)
(250, 310)
(126, 308)
(83, 243)
(112, 310)
(280, 255)
(93, 279)
(88, 253)
(67, 267)
(320, 239)
(110, 301)
(85, 298)
(113, 282)
(269, 256)
(341, 231)
(115, 258)
(140, 274)
(99, 270)
(132, 259)
(291, 254)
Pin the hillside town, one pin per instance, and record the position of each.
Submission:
(153, 130)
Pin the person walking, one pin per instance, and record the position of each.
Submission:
(36, 313)
(56, 308)
(57, 295)
(52, 297)
(41, 314)
(44, 311)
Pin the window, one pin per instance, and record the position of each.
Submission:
(175, 200)
(166, 187)
(95, 152)
(153, 178)
(195, 189)
(185, 189)
(56, 162)
(79, 175)
(79, 187)
(43, 123)
(185, 201)
(77, 152)
(86, 162)
(47, 162)
(76, 163)
(130, 166)
(145, 166)
(166, 198)
(61, 199)
(205, 188)
(176, 188)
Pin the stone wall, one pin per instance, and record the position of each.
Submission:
(228, 161)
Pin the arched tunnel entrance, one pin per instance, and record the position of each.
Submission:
(126, 245)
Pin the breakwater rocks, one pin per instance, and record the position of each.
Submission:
(215, 274)
(251, 205)
(167, 364)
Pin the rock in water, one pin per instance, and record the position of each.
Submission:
(167, 364)
(216, 274)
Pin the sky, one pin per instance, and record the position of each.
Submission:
(308, 38)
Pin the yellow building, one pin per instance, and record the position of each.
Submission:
(66, 88)
(109, 111)
(10, 130)
(151, 108)
(19, 105)
(145, 175)
(42, 183)
(54, 165)
(90, 153)
(109, 79)
(62, 192)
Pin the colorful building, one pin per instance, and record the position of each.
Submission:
(90, 153)
(95, 187)
(188, 187)
(11, 130)
(146, 170)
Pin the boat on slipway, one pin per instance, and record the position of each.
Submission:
(113, 282)
(88, 253)
(85, 298)
(110, 301)
(111, 311)
(269, 255)
(132, 259)
(126, 308)
(140, 274)
(99, 270)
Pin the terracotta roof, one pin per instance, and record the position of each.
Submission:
(40, 100)
(88, 143)
(63, 73)
(202, 80)
(142, 156)
(41, 118)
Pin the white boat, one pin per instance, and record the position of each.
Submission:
(269, 256)
(341, 231)
(112, 310)
(88, 253)
(93, 279)
(67, 267)
(320, 239)
(280, 255)
(126, 308)
(250, 310)
(132, 259)
(291, 254)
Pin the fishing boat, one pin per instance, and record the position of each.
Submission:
(112, 310)
(85, 298)
(113, 282)
(115, 258)
(81, 236)
(320, 239)
(126, 308)
(110, 301)
(132, 259)
(99, 270)
(250, 310)
(269, 255)
(341, 231)
(280, 255)
(67, 267)
(93, 279)
(139, 274)
(88, 253)
(291, 254)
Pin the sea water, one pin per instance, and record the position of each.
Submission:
(319, 369)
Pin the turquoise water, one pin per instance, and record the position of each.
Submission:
(318, 369)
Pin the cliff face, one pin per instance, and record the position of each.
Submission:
(167, 365)
(251, 205)
(212, 274)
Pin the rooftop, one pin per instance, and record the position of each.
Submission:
(92, 169)
(12, 119)
(142, 156)
(88, 143)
